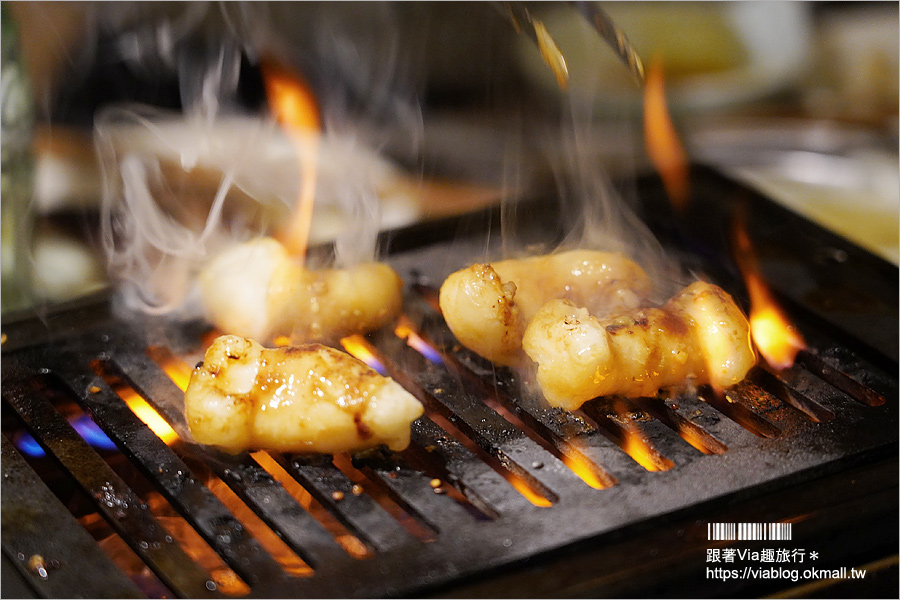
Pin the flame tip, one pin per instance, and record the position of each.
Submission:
(776, 338)
(294, 106)
(663, 144)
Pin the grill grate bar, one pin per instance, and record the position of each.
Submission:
(843, 368)
(35, 522)
(146, 377)
(692, 433)
(276, 507)
(483, 486)
(364, 517)
(418, 493)
(731, 406)
(181, 488)
(251, 482)
(119, 505)
(497, 436)
(575, 439)
(768, 407)
(838, 368)
(705, 416)
(801, 390)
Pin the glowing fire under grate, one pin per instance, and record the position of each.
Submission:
(488, 464)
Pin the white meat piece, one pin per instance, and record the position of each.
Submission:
(257, 290)
(306, 399)
(700, 336)
(488, 306)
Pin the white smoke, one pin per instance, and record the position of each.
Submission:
(181, 186)
(178, 187)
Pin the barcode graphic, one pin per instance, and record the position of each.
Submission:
(748, 531)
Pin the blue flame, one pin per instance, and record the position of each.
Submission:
(84, 425)
(377, 365)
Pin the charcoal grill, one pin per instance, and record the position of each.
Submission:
(814, 446)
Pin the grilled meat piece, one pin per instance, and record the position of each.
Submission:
(699, 336)
(488, 306)
(257, 290)
(307, 399)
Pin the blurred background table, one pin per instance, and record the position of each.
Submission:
(798, 98)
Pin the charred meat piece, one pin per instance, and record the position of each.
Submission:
(488, 306)
(700, 336)
(306, 399)
(257, 290)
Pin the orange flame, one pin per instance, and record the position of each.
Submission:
(405, 330)
(662, 141)
(177, 370)
(776, 338)
(635, 443)
(295, 109)
(523, 488)
(642, 453)
(149, 416)
(180, 374)
(359, 347)
(584, 469)
(694, 436)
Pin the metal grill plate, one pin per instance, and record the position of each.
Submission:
(758, 447)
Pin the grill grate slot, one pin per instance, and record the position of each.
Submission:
(423, 496)
(779, 429)
(251, 482)
(660, 439)
(689, 431)
(612, 421)
(455, 463)
(799, 389)
(365, 484)
(114, 499)
(31, 516)
(181, 488)
(364, 517)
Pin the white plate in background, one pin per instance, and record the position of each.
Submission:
(843, 177)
